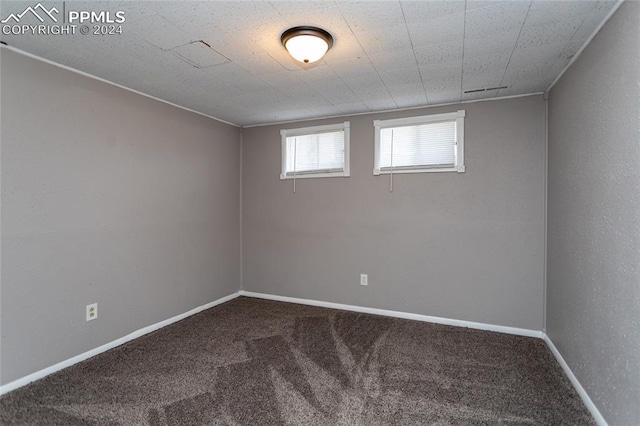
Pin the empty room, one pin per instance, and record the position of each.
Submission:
(320, 212)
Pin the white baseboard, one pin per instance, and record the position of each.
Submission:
(397, 314)
(576, 384)
(93, 352)
(383, 312)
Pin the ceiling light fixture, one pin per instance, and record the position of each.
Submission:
(306, 44)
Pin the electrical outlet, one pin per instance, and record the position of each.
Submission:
(364, 279)
(92, 311)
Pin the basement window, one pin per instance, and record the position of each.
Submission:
(428, 143)
(313, 152)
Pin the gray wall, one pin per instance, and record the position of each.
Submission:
(465, 246)
(107, 197)
(593, 314)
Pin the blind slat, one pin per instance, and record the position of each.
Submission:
(429, 145)
(315, 152)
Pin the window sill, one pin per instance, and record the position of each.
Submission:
(458, 169)
(314, 175)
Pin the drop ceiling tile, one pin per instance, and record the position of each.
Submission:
(268, 96)
(441, 70)
(544, 12)
(502, 17)
(387, 39)
(362, 16)
(381, 104)
(442, 84)
(537, 55)
(420, 11)
(495, 63)
(411, 101)
(200, 54)
(320, 73)
(353, 68)
(481, 81)
(600, 10)
(372, 93)
(345, 47)
(351, 107)
(571, 48)
(493, 43)
(444, 97)
(393, 60)
(439, 53)
(435, 31)
(479, 4)
(550, 33)
(409, 75)
(368, 84)
(523, 74)
(161, 33)
(554, 71)
(414, 88)
(334, 92)
(287, 63)
(532, 86)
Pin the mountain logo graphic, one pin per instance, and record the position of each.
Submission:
(34, 11)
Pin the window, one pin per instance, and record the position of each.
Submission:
(429, 143)
(321, 151)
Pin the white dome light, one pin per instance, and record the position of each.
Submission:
(306, 44)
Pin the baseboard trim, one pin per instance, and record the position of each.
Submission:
(397, 314)
(576, 384)
(93, 352)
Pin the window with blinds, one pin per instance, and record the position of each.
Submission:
(430, 143)
(321, 151)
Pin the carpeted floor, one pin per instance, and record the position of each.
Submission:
(258, 362)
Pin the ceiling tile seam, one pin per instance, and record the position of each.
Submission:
(404, 17)
(464, 35)
(349, 87)
(368, 59)
(104, 80)
(515, 45)
(586, 43)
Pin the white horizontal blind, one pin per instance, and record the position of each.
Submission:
(315, 152)
(429, 145)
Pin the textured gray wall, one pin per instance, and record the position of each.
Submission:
(107, 197)
(465, 246)
(593, 313)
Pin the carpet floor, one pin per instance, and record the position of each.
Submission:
(259, 362)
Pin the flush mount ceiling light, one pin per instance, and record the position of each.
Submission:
(306, 44)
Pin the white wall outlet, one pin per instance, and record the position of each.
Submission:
(92, 311)
(364, 279)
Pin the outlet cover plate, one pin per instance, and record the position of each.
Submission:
(364, 279)
(92, 311)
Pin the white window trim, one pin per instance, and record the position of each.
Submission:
(284, 133)
(423, 119)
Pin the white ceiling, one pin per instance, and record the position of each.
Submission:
(387, 54)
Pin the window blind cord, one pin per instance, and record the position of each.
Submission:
(295, 149)
(391, 169)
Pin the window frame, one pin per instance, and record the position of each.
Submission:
(302, 131)
(458, 116)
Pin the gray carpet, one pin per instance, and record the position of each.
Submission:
(257, 362)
